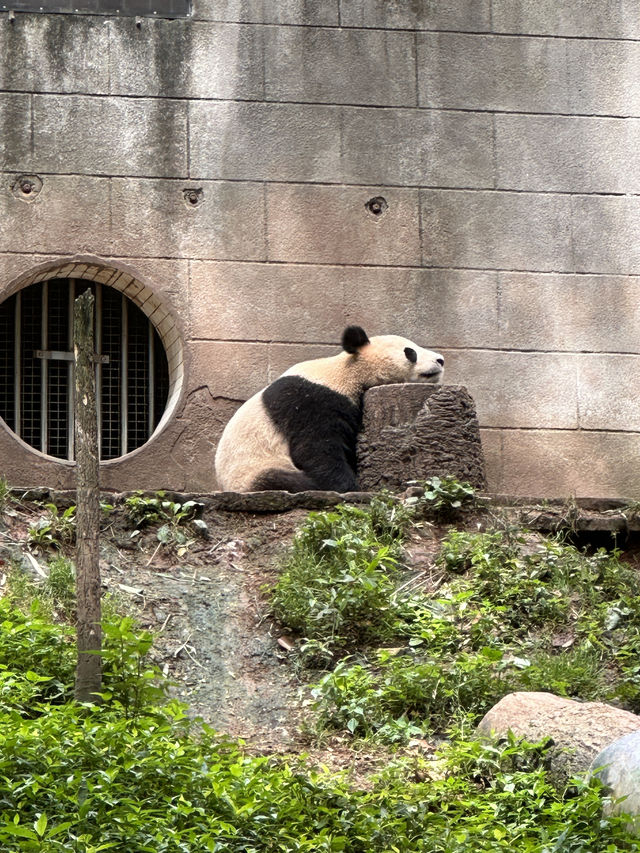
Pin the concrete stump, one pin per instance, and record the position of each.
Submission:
(415, 431)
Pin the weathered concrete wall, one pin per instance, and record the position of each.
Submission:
(503, 134)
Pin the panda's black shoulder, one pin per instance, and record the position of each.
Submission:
(305, 410)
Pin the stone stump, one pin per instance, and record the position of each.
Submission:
(416, 431)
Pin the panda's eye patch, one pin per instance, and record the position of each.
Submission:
(411, 354)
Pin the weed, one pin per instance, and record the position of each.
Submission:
(630, 511)
(60, 587)
(54, 597)
(409, 693)
(54, 529)
(383, 522)
(570, 515)
(178, 521)
(5, 494)
(516, 612)
(338, 581)
(443, 498)
(573, 672)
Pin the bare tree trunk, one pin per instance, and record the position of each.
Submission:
(89, 633)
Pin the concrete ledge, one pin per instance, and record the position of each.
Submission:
(581, 514)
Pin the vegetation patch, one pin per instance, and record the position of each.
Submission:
(405, 653)
(510, 611)
(138, 776)
(178, 523)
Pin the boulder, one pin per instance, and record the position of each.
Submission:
(618, 768)
(416, 431)
(579, 730)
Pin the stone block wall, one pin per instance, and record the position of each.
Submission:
(504, 136)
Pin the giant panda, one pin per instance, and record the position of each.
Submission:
(300, 432)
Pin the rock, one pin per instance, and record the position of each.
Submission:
(618, 768)
(276, 501)
(579, 730)
(415, 431)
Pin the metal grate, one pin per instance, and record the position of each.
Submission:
(36, 369)
(109, 380)
(59, 372)
(32, 412)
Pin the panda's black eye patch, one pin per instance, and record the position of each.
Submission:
(411, 354)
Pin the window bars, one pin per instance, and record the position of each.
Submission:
(36, 368)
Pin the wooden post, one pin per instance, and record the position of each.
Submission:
(89, 632)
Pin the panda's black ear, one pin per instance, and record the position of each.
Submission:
(411, 354)
(353, 338)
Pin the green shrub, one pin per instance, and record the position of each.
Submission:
(338, 582)
(514, 613)
(89, 781)
(39, 648)
(376, 698)
(93, 778)
(130, 680)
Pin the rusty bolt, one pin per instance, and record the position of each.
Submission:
(26, 187)
(377, 205)
(193, 196)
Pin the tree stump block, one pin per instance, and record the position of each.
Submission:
(415, 431)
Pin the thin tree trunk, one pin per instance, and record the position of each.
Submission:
(89, 670)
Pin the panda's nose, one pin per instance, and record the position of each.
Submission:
(440, 361)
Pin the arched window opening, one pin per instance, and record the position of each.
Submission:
(36, 368)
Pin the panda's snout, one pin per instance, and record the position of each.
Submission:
(434, 373)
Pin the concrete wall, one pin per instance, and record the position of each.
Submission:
(503, 134)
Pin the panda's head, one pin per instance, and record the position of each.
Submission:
(385, 359)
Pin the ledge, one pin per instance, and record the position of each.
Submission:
(575, 514)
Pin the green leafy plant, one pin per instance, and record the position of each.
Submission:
(130, 679)
(139, 777)
(514, 612)
(44, 651)
(400, 695)
(178, 522)
(338, 581)
(443, 498)
(54, 529)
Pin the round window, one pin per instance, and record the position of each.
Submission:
(36, 368)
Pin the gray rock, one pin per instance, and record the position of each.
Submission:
(277, 501)
(414, 431)
(579, 730)
(618, 768)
